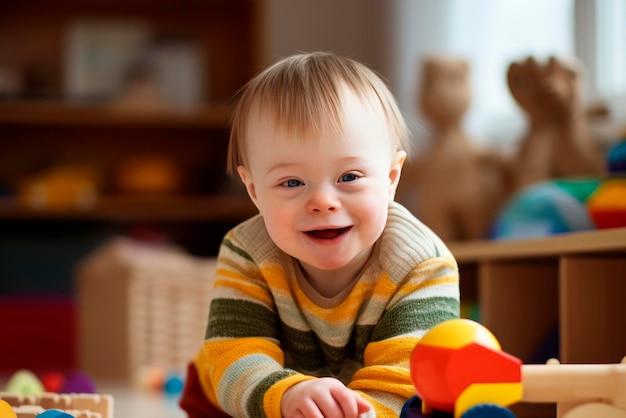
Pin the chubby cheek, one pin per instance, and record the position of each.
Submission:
(280, 226)
(372, 214)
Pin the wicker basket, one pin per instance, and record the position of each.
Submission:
(141, 307)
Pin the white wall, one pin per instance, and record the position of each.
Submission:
(393, 35)
(355, 28)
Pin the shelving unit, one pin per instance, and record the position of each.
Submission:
(572, 285)
(139, 209)
(44, 126)
(560, 296)
(66, 114)
(41, 128)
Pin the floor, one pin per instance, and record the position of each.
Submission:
(136, 403)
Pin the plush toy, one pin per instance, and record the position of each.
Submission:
(454, 187)
(557, 143)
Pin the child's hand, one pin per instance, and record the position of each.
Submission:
(322, 398)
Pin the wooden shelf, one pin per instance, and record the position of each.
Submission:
(140, 208)
(606, 240)
(566, 289)
(58, 113)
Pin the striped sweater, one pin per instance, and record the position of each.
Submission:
(265, 333)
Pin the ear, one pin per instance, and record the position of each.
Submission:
(246, 179)
(395, 172)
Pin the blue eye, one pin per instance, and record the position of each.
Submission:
(349, 177)
(292, 183)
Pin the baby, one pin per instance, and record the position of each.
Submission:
(320, 298)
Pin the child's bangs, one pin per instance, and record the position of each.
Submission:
(303, 106)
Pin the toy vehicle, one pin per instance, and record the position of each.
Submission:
(458, 367)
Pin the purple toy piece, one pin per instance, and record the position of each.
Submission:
(78, 382)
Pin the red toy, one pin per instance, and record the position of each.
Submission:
(458, 367)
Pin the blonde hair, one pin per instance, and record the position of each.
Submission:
(303, 93)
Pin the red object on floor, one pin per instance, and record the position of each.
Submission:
(37, 333)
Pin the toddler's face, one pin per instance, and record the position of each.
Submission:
(324, 199)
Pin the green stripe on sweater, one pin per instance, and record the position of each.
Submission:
(309, 352)
(255, 402)
(415, 314)
(226, 319)
(229, 244)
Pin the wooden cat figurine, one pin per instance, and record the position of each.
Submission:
(454, 187)
(557, 142)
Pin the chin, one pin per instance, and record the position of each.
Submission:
(329, 264)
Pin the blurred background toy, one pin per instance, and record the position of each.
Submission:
(79, 405)
(557, 143)
(454, 187)
(52, 381)
(567, 204)
(607, 206)
(547, 208)
(62, 186)
(24, 382)
(148, 174)
(78, 381)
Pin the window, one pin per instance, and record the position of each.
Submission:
(491, 34)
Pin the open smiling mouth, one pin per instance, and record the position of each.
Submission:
(328, 233)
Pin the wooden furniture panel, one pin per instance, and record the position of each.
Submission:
(517, 302)
(526, 288)
(593, 328)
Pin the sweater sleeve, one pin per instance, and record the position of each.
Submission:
(427, 296)
(241, 358)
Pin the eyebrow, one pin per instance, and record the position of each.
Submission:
(348, 159)
(279, 166)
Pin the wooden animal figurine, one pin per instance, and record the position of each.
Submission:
(557, 142)
(454, 187)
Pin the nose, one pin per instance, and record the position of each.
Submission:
(323, 200)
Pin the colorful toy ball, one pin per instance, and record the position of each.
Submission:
(78, 382)
(607, 206)
(459, 364)
(152, 378)
(54, 413)
(24, 382)
(546, 208)
(6, 411)
(174, 384)
(53, 381)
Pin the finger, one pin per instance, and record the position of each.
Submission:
(329, 407)
(297, 414)
(311, 409)
(347, 401)
(362, 405)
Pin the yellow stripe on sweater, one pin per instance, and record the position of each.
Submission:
(348, 309)
(230, 351)
(253, 292)
(396, 351)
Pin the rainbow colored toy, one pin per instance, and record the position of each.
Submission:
(459, 367)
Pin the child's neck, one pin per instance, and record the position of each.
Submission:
(330, 283)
